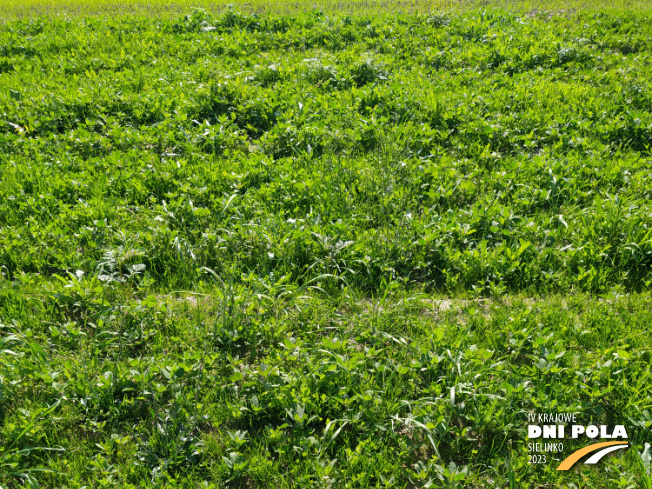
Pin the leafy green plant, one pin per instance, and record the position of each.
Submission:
(334, 245)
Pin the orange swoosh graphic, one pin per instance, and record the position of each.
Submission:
(575, 456)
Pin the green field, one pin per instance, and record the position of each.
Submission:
(280, 245)
(167, 8)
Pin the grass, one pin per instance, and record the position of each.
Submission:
(307, 248)
(169, 8)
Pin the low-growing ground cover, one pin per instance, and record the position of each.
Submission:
(167, 8)
(317, 250)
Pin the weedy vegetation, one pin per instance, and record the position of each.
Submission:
(321, 249)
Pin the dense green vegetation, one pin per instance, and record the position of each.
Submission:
(313, 250)
(173, 8)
